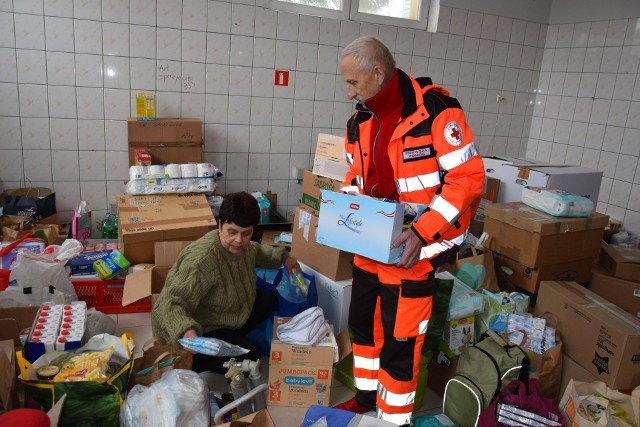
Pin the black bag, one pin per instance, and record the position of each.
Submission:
(35, 202)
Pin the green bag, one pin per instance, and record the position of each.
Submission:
(483, 369)
(88, 403)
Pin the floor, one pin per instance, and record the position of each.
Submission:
(139, 325)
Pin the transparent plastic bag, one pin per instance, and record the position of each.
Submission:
(99, 323)
(179, 398)
(212, 347)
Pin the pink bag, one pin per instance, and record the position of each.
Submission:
(524, 408)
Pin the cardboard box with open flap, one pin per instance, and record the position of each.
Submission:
(300, 375)
(148, 283)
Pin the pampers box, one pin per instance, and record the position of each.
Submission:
(361, 225)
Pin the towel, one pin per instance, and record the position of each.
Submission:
(306, 328)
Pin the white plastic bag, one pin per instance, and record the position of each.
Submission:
(179, 398)
(36, 278)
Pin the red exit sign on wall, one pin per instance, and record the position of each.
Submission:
(281, 78)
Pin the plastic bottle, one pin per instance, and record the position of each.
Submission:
(213, 404)
(110, 224)
(298, 279)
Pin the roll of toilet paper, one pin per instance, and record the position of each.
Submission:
(189, 170)
(205, 170)
(156, 170)
(173, 170)
(137, 172)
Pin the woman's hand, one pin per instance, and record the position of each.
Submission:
(291, 263)
(191, 333)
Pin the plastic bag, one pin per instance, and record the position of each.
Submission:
(81, 223)
(99, 323)
(290, 299)
(212, 347)
(179, 398)
(36, 278)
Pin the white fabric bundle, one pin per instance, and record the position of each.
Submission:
(306, 328)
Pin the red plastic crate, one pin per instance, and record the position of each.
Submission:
(106, 296)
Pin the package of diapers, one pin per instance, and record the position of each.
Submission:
(557, 202)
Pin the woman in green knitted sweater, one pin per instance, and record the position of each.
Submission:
(211, 289)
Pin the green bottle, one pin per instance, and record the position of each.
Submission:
(110, 223)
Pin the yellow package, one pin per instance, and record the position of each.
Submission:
(145, 106)
(89, 366)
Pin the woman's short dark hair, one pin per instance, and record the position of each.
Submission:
(241, 209)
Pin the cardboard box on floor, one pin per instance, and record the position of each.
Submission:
(572, 370)
(166, 140)
(534, 238)
(602, 338)
(149, 282)
(331, 262)
(623, 293)
(300, 375)
(144, 220)
(620, 261)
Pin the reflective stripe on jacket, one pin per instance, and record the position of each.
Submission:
(435, 162)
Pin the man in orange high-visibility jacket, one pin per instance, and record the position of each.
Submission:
(407, 141)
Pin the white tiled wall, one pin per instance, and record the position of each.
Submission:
(68, 70)
(587, 109)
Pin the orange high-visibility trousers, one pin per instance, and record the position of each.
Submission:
(388, 317)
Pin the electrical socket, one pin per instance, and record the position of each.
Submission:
(500, 98)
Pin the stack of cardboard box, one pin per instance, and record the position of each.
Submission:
(617, 278)
(531, 246)
(331, 267)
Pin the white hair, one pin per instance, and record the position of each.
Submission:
(369, 52)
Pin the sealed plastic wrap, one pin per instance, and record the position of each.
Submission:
(464, 301)
(171, 185)
(179, 398)
(557, 202)
(212, 347)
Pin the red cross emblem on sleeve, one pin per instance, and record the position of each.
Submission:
(453, 133)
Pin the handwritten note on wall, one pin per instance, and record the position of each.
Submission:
(168, 76)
